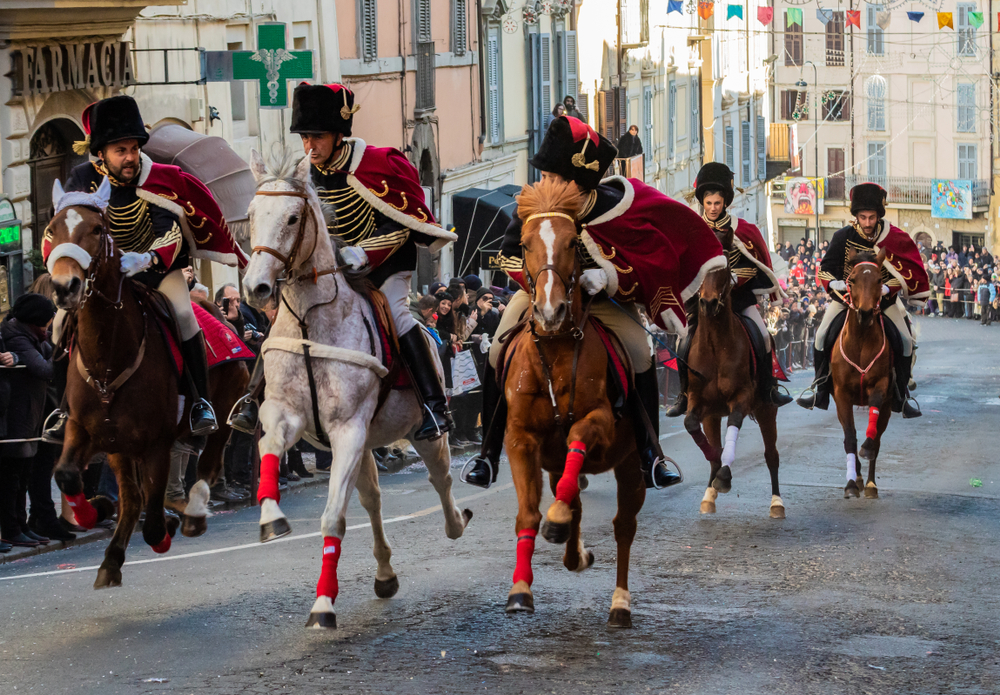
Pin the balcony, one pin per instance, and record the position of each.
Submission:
(909, 190)
(55, 19)
(782, 153)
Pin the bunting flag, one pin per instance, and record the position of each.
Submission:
(882, 19)
(915, 16)
(793, 17)
(705, 9)
(976, 19)
(675, 6)
(824, 16)
(854, 18)
(734, 11)
(766, 14)
(944, 20)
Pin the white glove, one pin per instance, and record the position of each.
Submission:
(484, 344)
(885, 290)
(354, 256)
(594, 280)
(838, 285)
(133, 262)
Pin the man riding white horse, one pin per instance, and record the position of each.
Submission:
(374, 205)
(160, 217)
(638, 246)
(750, 262)
(903, 273)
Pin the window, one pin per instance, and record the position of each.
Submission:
(647, 124)
(695, 114)
(790, 100)
(967, 161)
(835, 39)
(966, 107)
(876, 44)
(569, 71)
(745, 151)
(540, 72)
(367, 30)
(422, 23)
(729, 147)
(877, 165)
(300, 35)
(493, 91)
(793, 43)
(835, 173)
(237, 89)
(635, 22)
(761, 148)
(838, 108)
(459, 27)
(875, 89)
(671, 118)
(425, 75)
(966, 33)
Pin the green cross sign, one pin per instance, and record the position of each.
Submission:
(272, 65)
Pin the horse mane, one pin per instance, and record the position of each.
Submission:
(279, 167)
(549, 196)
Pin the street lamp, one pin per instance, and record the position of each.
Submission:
(802, 83)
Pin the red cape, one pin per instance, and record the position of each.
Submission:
(390, 184)
(752, 245)
(902, 259)
(202, 223)
(655, 250)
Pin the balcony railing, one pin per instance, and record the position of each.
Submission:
(911, 190)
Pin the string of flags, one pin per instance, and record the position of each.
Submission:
(793, 15)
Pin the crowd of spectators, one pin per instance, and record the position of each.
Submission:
(965, 282)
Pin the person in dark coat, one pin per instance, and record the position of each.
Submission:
(24, 333)
(630, 144)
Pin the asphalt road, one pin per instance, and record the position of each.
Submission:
(895, 595)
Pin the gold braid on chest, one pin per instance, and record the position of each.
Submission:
(131, 226)
(354, 217)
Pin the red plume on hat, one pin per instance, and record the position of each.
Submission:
(81, 146)
(561, 152)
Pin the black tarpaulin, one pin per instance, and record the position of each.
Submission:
(481, 217)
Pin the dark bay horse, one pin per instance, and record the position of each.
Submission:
(559, 416)
(861, 369)
(122, 393)
(723, 383)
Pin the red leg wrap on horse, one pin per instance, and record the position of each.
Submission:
(872, 430)
(268, 488)
(568, 486)
(525, 549)
(706, 449)
(163, 546)
(327, 585)
(85, 514)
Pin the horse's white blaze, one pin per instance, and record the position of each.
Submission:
(269, 511)
(73, 219)
(621, 599)
(852, 467)
(729, 451)
(548, 236)
(198, 500)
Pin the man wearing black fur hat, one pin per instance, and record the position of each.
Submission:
(903, 274)
(638, 247)
(750, 263)
(376, 212)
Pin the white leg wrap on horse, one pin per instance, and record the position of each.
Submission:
(852, 467)
(198, 500)
(729, 451)
(269, 511)
(621, 599)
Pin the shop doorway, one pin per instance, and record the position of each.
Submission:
(52, 157)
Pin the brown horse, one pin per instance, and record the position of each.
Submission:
(560, 419)
(122, 393)
(723, 383)
(861, 368)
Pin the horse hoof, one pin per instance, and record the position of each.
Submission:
(520, 603)
(620, 618)
(105, 508)
(555, 533)
(386, 588)
(871, 491)
(322, 621)
(777, 512)
(865, 452)
(194, 526)
(467, 515)
(851, 490)
(583, 483)
(271, 530)
(707, 507)
(172, 524)
(107, 579)
(723, 480)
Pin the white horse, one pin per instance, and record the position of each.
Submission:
(295, 264)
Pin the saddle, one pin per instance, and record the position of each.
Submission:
(758, 347)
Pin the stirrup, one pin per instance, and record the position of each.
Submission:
(467, 468)
(54, 427)
(650, 477)
(916, 407)
(205, 429)
(234, 414)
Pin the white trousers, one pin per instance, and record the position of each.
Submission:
(396, 289)
(894, 313)
(752, 312)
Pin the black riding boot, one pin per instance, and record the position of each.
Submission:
(481, 470)
(680, 405)
(54, 427)
(243, 416)
(646, 400)
(419, 362)
(768, 383)
(820, 397)
(196, 366)
(901, 403)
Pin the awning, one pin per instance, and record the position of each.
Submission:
(213, 162)
(481, 217)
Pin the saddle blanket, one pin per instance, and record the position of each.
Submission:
(221, 343)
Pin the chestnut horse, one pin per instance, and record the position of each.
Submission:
(122, 390)
(861, 368)
(559, 416)
(723, 383)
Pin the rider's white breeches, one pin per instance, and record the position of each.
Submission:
(396, 289)
(893, 313)
(752, 312)
(174, 287)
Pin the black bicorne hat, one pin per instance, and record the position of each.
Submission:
(110, 120)
(323, 108)
(868, 196)
(717, 177)
(575, 151)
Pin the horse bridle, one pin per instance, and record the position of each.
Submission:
(848, 299)
(568, 285)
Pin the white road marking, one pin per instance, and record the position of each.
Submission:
(245, 546)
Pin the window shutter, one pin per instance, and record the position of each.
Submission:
(729, 147)
(875, 35)
(647, 123)
(966, 33)
(876, 161)
(569, 67)
(583, 105)
(835, 39)
(967, 161)
(745, 150)
(761, 148)
(459, 27)
(425, 75)
(622, 113)
(537, 114)
(424, 20)
(544, 82)
(369, 30)
(672, 119)
(966, 108)
(695, 114)
(493, 85)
